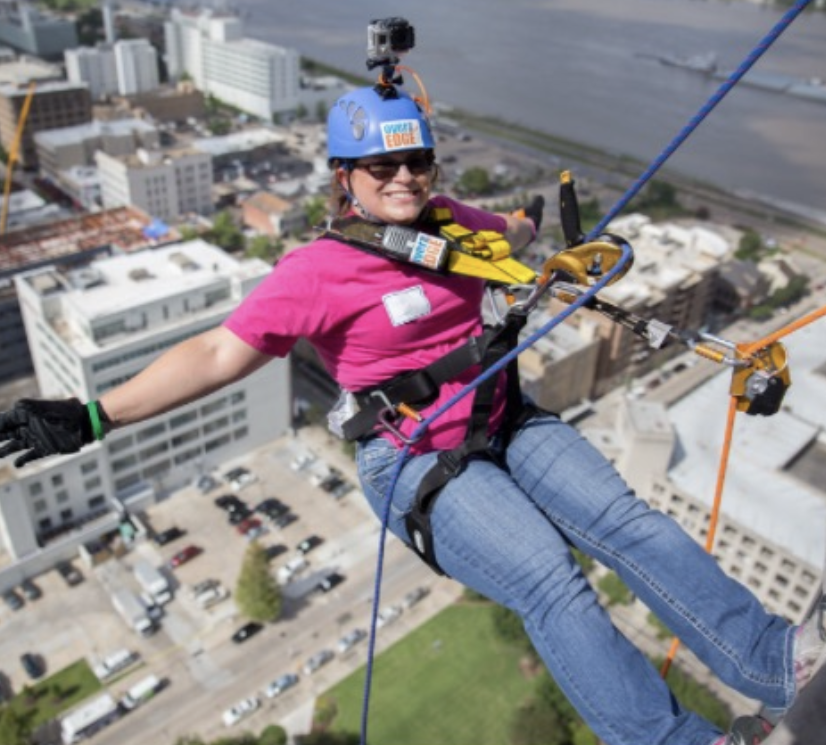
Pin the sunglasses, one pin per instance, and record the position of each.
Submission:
(384, 170)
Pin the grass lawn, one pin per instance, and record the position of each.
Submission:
(455, 659)
(55, 694)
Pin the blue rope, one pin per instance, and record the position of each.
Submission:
(704, 111)
(634, 189)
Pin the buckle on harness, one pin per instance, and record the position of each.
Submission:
(391, 412)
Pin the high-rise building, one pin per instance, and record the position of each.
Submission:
(31, 31)
(137, 66)
(165, 184)
(127, 67)
(256, 77)
(92, 329)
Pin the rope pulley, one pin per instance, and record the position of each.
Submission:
(760, 386)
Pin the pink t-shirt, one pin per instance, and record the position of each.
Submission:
(371, 318)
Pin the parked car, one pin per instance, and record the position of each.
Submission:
(247, 524)
(342, 490)
(414, 596)
(272, 507)
(71, 575)
(388, 615)
(282, 521)
(212, 596)
(247, 631)
(274, 551)
(230, 503)
(349, 640)
(30, 590)
(242, 709)
(204, 585)
(13, 600)
(185, 555)
(278, 686)
(169, 535)
(308, 544)
(205, 483)
(327, 583)
(32, 665)
(237, 516)
(255, 532)
(291, 568)
(238, 478)
(317, 661)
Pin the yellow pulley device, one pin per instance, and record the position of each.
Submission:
(587, 263)
(760, 384)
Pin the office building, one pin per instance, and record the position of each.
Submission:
(165, 184)
(126, 68)
(94, 328)
(256, 77)
(28, 30)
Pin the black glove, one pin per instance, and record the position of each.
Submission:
(44, 428)
(534, 211)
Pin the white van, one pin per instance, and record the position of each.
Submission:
(140, 692)
(212, 596)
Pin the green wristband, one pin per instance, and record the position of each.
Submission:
(94, 417)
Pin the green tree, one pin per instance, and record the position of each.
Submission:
(660, 629)
(475, 181)
(533, 724)
(316, 210)
(189, 740)
(750, 247)
(321, 109)
(257, 595)
(323, 737)
(13, 727)
(265, 248)
(301, 111)
(509, 627)
(615, 590)
(225, 233)
(273, 734)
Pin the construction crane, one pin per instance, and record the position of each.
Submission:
(13, 154)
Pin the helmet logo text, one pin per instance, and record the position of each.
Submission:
(401, 134)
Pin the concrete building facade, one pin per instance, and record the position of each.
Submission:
(165, 185)
(53, 106)
(256, 77)
(94, 328)
(28, 30)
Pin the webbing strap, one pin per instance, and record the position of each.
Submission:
(451, 463)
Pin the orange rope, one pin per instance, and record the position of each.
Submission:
(746, 349)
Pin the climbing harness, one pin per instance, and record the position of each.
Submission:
(482, 254)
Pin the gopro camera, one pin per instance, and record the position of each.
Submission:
(387, 38)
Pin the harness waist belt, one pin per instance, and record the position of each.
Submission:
(414, 387)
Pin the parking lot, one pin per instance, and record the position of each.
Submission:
(208, 673)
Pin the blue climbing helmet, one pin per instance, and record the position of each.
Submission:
(365, 122)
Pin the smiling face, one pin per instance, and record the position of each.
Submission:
(391, 188)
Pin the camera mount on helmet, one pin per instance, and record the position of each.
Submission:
(387, 39)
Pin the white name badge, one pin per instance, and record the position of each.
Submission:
(406, 305)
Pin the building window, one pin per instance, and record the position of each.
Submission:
(88, 467)
(124, 463)
(66, 515)
(62, 497)
(92, 483)
(156, 449)
(216, 443)
(96, 502)
(57, 480)
(181, 419)
(149, 432)
(213, 406)
(40, 506)
(126, 481)
(35, 489)
(45, 524)
(116, 446)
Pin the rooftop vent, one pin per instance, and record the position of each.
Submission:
(140, 274)
(183, 262)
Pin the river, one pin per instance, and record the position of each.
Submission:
(585, 70)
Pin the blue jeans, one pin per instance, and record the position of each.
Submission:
(507, 533)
